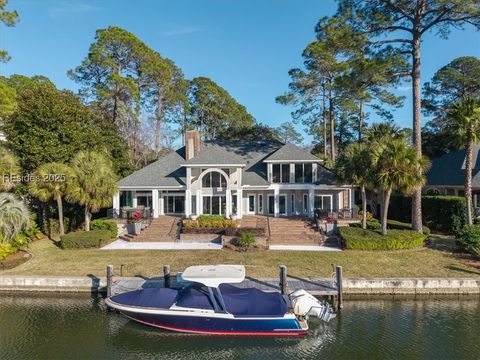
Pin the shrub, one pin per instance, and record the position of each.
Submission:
(103, 224)
(209, 224)
(369, 215)
(443, 213)
(469, 239)
(372, 224)
(397, 225)
(246, 239)
(355, 238)
(84, 239)
(7, 249)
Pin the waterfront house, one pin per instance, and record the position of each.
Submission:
(234, 178)
(447, 175)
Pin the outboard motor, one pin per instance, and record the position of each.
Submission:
(305, 305)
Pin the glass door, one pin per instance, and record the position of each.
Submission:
(251, 203)
(271, 204)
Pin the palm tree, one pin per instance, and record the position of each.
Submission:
(8, 167)
(14, 217)
(354, 166)
(463, 123)
(380, 132)
(397, 167)
(95, 182)
(52, 181)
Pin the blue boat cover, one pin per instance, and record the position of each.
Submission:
(238, 301)
(252, 302)
(151, 297)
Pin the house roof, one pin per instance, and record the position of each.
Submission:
(251, 155)
(166, 171)
(291, 152)
(449, 169)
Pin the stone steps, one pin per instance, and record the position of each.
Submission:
(296, 231)
(161, 229)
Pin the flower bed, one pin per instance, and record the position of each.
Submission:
(355, 238)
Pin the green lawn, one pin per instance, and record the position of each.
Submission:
(438, 262)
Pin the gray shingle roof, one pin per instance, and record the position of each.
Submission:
(291, 152)
(449, 169)
(166, 171)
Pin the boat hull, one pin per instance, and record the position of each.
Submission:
(220, 326)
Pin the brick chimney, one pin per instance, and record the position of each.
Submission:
(192, 144)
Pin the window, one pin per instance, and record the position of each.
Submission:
(323, 202)
(285, 173)
(260, 204)
(478, 199)
(451, 192)
(305, 203)
(214, 205)
(303, 173)
(271, 204)
(281, 173)
(144, 200)
(174, 204)
(251, 204)
(461, 193)
(214, 180)
(194, 204)
(282, 204)
(292, 199)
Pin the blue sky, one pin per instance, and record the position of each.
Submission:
(246, 46)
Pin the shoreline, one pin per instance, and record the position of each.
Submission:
(351, 286)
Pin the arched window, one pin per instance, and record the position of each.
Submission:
(214, 179)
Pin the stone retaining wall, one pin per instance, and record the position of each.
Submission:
(352, 286)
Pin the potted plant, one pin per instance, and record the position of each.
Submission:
(329, 225)
(135, 223)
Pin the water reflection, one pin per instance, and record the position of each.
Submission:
(53, 326)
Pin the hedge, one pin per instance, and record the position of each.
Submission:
(103, 224)
(397, 225)
(469, 239)
(355, 238)
(444, 213)
(84, 239)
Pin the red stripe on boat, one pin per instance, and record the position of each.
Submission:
(206, 332)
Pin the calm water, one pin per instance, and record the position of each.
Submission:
(44, 326)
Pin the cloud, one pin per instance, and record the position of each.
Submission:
(60, 8)
(181, 30)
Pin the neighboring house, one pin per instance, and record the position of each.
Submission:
(447, 175)
(234, 177)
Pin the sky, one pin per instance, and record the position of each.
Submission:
(246, 46)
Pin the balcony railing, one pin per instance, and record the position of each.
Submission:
(341, 214)
(126, 213)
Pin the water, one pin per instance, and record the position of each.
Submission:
(72, 326)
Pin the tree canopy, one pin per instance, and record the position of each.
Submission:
(213, 110)
(9, 18)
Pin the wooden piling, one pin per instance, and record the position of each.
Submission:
(109, 280)
(339, 278)
(166, 275)
(283, 279)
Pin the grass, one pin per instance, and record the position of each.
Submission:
(439, 261)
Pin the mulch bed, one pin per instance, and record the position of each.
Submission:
(252, 249)
(15, 260)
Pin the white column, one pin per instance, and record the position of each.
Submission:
(292, 173)
(116, 205)
(188, 203)
(351, 194)
(228, 205)
(276, 196)
(199, 202)
(155, 203)
(134, 200)
(239, 203)
(161, 206)
(311, 202)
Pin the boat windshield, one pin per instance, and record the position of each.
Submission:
(214, 275)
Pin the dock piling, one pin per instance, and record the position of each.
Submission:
(339, 278)
(166, 275)
(283, 279)
(109, 280)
